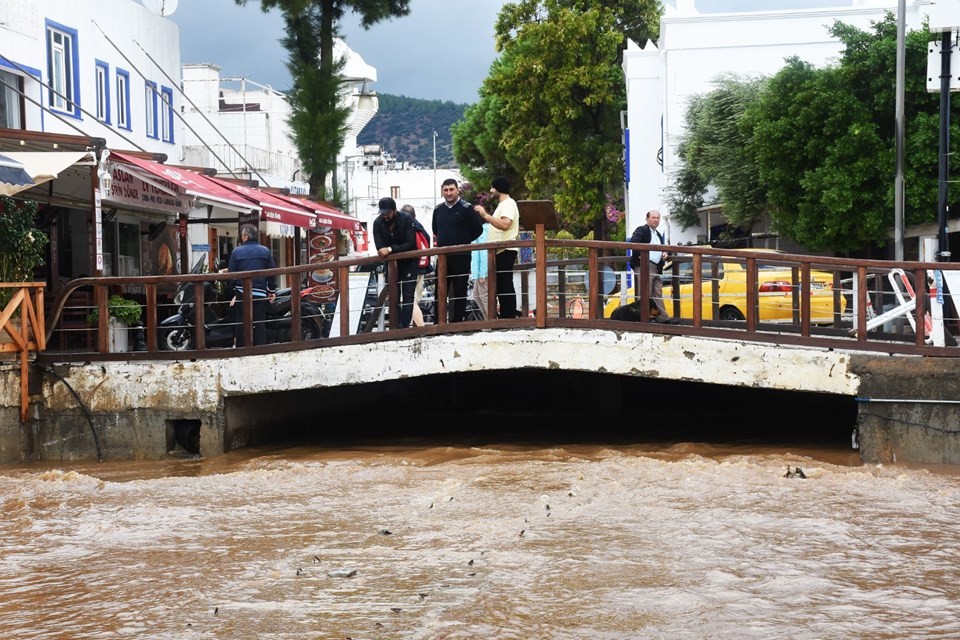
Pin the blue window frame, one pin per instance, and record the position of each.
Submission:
(123, 99)
(151, 99)
(103, 91)
(63, 69)
(166, 111)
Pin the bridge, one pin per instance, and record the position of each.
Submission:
(842, 331)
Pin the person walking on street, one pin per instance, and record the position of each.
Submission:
(504, 226)
(252, 256)
(455, 222)
(393, 232)
(648, 234)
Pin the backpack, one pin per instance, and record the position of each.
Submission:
(423, 242)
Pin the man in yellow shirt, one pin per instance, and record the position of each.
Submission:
(504, 226)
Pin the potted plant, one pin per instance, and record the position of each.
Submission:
(123, 315)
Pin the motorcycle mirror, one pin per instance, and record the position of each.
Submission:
(154, 230)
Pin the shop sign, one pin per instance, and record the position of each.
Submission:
(131, 190)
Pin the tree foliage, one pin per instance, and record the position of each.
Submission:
(318, 121)
(717, 150)
(816, 147)
(549, 111)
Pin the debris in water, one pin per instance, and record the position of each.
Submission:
(386, 532)
(521, 532)
(299, 571)
(472, 574)
(342, 573)
(470, 564)
(396, 609)
(216, 610)
(422, 595)
(797, 472)
(316, 560)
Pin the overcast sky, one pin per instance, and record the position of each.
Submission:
(441, 51)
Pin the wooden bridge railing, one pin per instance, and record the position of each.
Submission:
(820, 301)
(22, 331)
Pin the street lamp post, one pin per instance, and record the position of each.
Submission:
(436, 197)
(368, 151)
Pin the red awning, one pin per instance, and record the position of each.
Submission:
(327, 215)
(181, 180)
(274, 208)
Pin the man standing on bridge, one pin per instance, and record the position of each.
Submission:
(393, 232)
(648, 234)
(455, 222)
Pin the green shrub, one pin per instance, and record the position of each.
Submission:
(123, 310)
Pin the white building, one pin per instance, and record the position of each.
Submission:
(696, 48)
(239, 128)
(83, 68)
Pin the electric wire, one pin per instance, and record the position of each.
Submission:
(202, 115)
(96, 438)
(909, 423)
(172, 110)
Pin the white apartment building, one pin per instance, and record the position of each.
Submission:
(694, 49)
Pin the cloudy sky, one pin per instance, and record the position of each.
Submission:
(441, 51)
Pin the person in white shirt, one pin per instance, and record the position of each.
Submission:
(504, 226)
(648, 234)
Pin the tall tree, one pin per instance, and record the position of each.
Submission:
(551, 106)
(717, 149)
(816, 145)
(318, 120)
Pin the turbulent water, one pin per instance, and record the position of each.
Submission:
(682, 541)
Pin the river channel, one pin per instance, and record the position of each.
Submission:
(429, 540)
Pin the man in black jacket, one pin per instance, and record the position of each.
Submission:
(455, 222)
(648, 234)
(393, 232)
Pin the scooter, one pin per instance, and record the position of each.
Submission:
(176, 333)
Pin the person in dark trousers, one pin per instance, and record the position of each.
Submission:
(423, 268)
(504, 225)
(252, 256)
(648, 234)
(393, 232)
(454, 223)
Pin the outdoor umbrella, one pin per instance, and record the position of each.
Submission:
(13, 177)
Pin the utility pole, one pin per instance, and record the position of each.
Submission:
(436, 197)
(899, 197)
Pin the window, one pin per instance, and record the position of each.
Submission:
(62, 69)
(151, 98)
(11, 102)
(166, 111)
(123, 99)
(103, 91)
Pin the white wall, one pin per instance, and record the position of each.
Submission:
(125, 22)
(695, 49)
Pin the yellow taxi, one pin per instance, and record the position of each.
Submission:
(775, 292)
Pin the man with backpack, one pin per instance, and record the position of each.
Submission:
(394, 232)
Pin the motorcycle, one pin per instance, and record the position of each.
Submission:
(176, 333)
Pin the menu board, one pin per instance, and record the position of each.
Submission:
(321, 251)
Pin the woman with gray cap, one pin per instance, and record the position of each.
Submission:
(504, 225)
